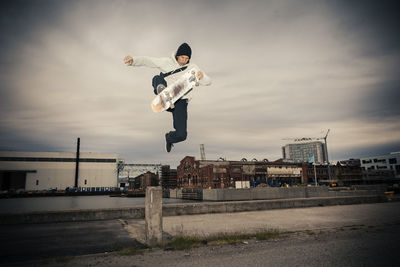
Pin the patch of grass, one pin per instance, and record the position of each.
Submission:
(268, 234)
(130, 251)
(188, 242)
(183, 242)
(225, 238)
(309, 232)
(355, 225)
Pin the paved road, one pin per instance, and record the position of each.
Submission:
(352, 246)
(376, 228)
(41, 241)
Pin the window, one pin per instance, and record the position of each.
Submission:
(393, 161)
(85, 181)
(37, 182)
(398, 169)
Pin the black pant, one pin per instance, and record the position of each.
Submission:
(179, 115)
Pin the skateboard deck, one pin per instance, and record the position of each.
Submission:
(167, 97)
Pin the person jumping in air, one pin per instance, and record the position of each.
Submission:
(172, 68)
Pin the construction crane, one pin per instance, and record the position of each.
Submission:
(202, 153)
(318, 138)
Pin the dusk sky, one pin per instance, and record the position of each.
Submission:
(279, 69)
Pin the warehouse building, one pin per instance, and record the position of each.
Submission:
(236, 174)
(32, 171)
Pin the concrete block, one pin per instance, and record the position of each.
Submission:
(213, 194)
(319, 191)
(173, 193)
(236, 194)
(178, 193)
(153, 215)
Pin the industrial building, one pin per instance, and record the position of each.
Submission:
(32, 171)
(230, 174)
(304, 149)
(129, 171)
(144, 180)
(382, 165)
(168, 177)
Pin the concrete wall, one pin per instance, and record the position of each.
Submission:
(175, 193)
(264, 193)
(281, 193)
(185, 209)
(285, 193)
(72, 215)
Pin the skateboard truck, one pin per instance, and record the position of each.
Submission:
(169, 99)
(193, 77)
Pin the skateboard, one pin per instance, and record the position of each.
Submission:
(172, 93)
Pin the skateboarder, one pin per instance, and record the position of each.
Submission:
(172, 68)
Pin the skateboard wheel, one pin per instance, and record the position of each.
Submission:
(193, 72)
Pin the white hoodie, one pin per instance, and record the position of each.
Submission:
(167, 64)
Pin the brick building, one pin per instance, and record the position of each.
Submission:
(144, 180)
(224, 174)
(168, 177)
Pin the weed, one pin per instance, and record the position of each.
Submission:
(130, 251)
(183, 242)
(309, 232)
(268, 234)
(186, 242)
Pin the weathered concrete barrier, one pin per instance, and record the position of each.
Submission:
(72, 215)
(185, 209)
(153, 215)
(264, 193)
(256, 205)
(175, 193)
(285, 193)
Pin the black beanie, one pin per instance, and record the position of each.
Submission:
(184, 50)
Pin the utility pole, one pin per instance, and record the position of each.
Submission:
(77, 162)
(315, 170)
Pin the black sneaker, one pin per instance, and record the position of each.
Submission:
(168, 144)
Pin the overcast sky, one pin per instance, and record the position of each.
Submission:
(280, 69)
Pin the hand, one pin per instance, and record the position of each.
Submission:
(200, 75)
(128, 60)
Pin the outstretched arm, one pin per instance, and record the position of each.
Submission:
(204, 79)
(151, 62)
